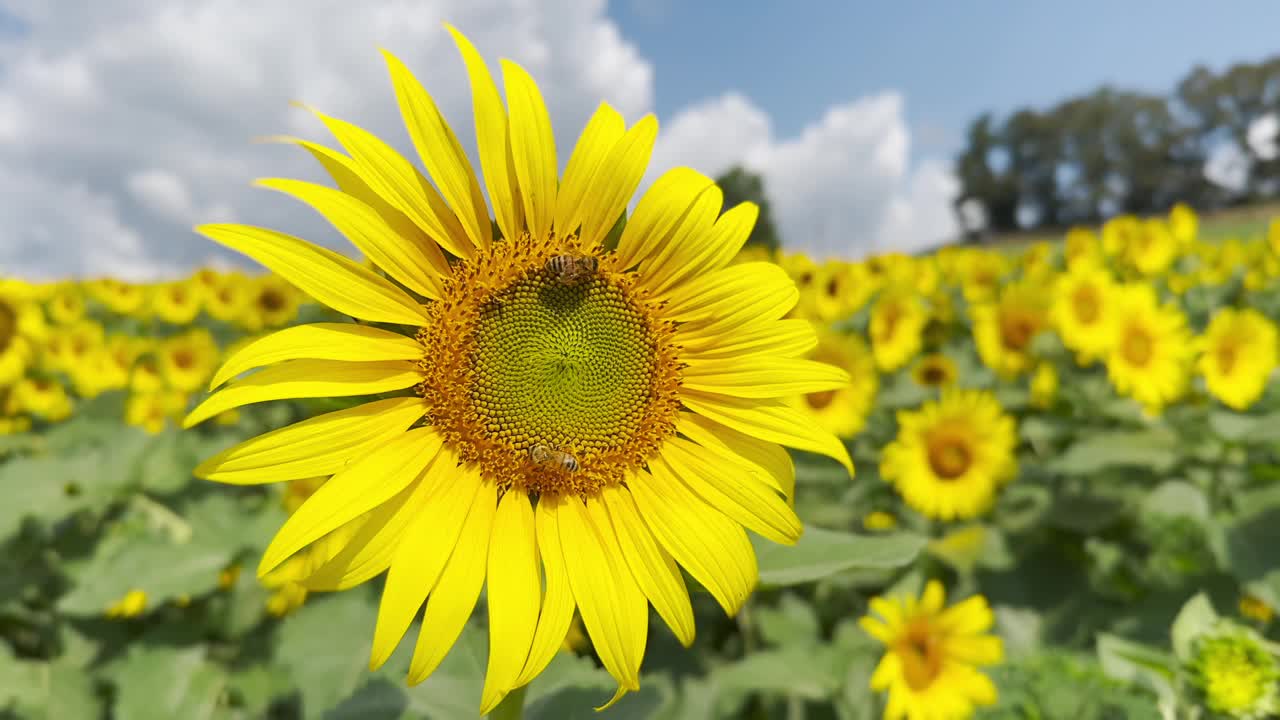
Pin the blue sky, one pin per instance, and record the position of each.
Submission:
(951, 60)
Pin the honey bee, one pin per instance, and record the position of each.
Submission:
(572, 268)
(541, 454)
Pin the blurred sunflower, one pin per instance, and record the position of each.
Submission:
(22, 330)
(843, 411)
(1119, 233)
(43, 398)
(1152, 250)
(897, 327)
(1236, 672)
(1044, 385)
(952, 455)
(66, 305)
(1237, 355)
(272, 303)
(982, 271)
(1151, 356)
(834, 291)
(153, 411)
(229, 298)
(636, 396)
(1184, 225)
(930, 667)
(935, 370)
(1082, 247)
(117, 296)
(1082, 311)
(187, 361)
(68, 348)
(177, 303)
(1003, 330)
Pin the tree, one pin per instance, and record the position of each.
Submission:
(741, 185)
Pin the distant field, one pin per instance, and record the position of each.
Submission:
(1238, 222)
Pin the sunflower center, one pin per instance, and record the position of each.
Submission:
(1227, 353)
(184, 359)
(1137, 346)
(1086, 303)
(1016, 330)
(932, 374)
(8, 325)
(271, 300)
(820, 400)
(949, 457)
(552, 380)
(920, 654)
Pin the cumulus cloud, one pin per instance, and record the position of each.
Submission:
(123, 123)
(844, 186)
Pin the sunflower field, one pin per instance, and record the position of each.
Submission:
(1019, 482)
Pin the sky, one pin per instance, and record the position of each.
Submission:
(124, 122)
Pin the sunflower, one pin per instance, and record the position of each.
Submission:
(930, 667)
(1152, 250)
(935, 371)
(1044, 385)
(1003, 330)
(837, 292)
(1082, 311)
(228, 298)
(68, 348)
(1119, 233)
(272, 303)
(1236, 673)
(117, 296)
(187, 361)
(1184, 225)
(843, 411)
(897, 328)
(177, 303)
(22, 331)
(952, 455)
(66, 305)
(1081, 247)
(981, 273)
(568, 426)
(806, 274)
(43, 398)
(152, 411)
(1151, 356)
(1237, 355)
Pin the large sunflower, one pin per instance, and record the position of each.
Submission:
(1238, 354)
(569, 425)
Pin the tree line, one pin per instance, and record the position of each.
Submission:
(1113, 151)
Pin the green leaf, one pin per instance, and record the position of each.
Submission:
(1251, 543)
(162, 683)
(1177, 498)
(804, 672)
(1156, 448)
(1136, 663)
(1195, 618)
(324, 646)
(791, 622)
(820, 553)
(1247, 429)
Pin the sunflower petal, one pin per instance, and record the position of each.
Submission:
(515, 594)
(365, 228)
(712, 249)
(655, 572)
(602, 133)
(782, 338)
(766, 460)
(615, 182)
(762, 376)
(361, 487)
(659, 209)
(734, 296)
(346, 174)
(558, 604)
(492, 139)
(713, 548)
(441, 152)
(308, 378)
(396, 179)
(423, 552)
(319, 341)
(533, 148)
(771, 421)
(454, 597)
(323, 274)
(739, 496)
(372, 547)
(660, 270)
(614, 610)
(321, 445)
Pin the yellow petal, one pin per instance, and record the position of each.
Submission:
(762, 376)
(325, 275)
(307, 379)
(764, 460)
(654, 570)
(662, 205)
(319, 341)
(712, 247)
(602, 133)
(515, 593)
(533, 148)
(732, 492)
(347, 174)
(617, 179)
(491, 137)
(366, 229)
(736, 295)
(361, 487)
(614, 610)
(782, 338)
(691, 232)
(321, 445)
(396, 179)
(372, 546)
(441, 153)
(558, 605)
(713, 548)
(769, 420)
(423, 552)
(454, 597)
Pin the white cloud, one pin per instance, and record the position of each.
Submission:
(162, 192)
(1263, 136)
(842, 187)
(1227, 166)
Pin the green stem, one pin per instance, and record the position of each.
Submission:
(511, 707)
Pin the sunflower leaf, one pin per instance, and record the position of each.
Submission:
(821, 553)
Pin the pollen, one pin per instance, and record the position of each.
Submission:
(518, 356)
